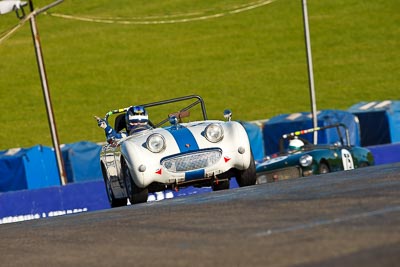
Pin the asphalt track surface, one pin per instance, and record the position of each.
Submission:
(340, 219)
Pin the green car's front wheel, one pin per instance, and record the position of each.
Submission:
(323, 168)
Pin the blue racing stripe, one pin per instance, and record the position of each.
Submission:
(194, 174)
(184, 138)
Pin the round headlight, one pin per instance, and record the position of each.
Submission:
(155, 143)
(305, 160)
(214, 132)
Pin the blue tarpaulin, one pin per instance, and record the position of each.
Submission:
(40, 167)
(12, 172)
(28, 168)
(82, 161)
(282, 124)
(36, 167)
(379, 121)
(256, 139)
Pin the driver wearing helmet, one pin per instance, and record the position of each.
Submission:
(295, 145)
(136, 120)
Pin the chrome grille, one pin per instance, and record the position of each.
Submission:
(192, 161)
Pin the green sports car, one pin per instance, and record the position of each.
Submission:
(301, 158)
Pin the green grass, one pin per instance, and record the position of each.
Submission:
(253, 62)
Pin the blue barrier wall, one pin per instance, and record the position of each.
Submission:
(52, 201)
(72, 198)
(385, 154)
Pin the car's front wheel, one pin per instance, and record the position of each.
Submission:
(135, 194)
(248, 176)
(323, 168)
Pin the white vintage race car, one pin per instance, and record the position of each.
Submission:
(194, 153)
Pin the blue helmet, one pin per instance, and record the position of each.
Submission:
(136, 115)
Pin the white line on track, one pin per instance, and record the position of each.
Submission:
(327, 222)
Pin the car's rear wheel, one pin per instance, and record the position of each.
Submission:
(114, 202)
(135, 194)
(248, 176)
(220, 185)
(323, 168)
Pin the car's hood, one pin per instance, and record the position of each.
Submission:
(182, 138)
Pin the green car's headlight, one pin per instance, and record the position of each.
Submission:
(214, 132)
(155, 143)
(305, 160)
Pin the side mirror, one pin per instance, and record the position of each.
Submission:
(228, 114)
(173, 120)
